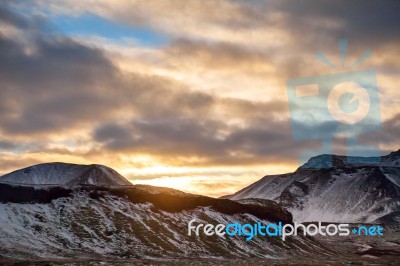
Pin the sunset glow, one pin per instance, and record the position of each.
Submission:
(183, 94)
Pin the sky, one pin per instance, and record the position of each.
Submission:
(185, 94)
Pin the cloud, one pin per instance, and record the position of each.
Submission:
(7, 145)
(212, 142)
(52, 86)
(213, 95)
(62, 86)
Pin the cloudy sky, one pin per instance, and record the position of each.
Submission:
(186, 94)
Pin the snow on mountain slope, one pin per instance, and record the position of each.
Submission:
(65, 174)
(343, 193)
(135, 222)
(327, 161)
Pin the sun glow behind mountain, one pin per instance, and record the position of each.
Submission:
(184, 94)
(205, 181)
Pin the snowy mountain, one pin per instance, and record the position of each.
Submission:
(65, 174)
(328, 161)
(132, 222)
(69, 219)
(364, 190)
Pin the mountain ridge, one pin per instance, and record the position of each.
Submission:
(65, 174)
(84, 213)
(332, 160)
(342, 192)
(133, 222)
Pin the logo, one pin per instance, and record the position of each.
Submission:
(249, 231)
(344, 104)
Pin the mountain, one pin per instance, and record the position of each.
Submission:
(136, 222)
(335, 188)
(328, 161)
(61, 211)
(65, 174)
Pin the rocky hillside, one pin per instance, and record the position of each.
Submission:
(86, 221)
(352, 190)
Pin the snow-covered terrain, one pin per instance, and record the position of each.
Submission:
(65, 174)
(64, 211)
(327, 161)
(347, 192)
(61, 211)
(136, 222)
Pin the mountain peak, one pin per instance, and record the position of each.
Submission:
(334, 188)
(330, 160)
(65, 174)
